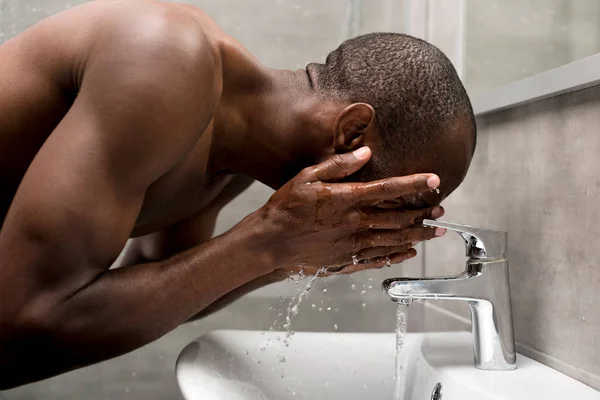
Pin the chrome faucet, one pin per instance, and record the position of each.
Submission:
(484, 285)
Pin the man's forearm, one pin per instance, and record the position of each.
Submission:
(236, 294)
(126, 308)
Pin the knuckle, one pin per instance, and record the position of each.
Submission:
(307, 172)
(411, 183)
(401, 236)
(358, 242)
(389, 187)
(401, 220)
(424, 233)
(339, 162)
(416, 217)
(355, 218)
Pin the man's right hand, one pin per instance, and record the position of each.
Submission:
(318, 222)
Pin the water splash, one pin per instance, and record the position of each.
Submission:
(293, 309)
(399, 378)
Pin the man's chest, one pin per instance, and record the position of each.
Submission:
(183, 192)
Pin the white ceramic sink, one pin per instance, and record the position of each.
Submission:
(250, 365)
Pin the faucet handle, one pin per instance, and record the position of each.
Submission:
(480, 243)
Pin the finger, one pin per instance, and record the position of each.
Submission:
(337, 167)
(394, 188)
(401, 257)
(381, 251)
(376, 238)
(375, 218)
(379, 262)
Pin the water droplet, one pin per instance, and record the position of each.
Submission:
(328, 308)
(320, 309)
(352, 370)
(325, 290)
(370, 287)
(314, 306)
(353, 287)
(281, 359)
(364, 305)
(335, 327)
(362, 293)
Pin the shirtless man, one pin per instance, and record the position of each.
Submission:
(139, 119)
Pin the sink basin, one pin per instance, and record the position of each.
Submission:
(251, 365)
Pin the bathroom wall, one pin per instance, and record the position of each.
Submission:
(535, 175)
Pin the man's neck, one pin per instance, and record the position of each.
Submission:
(266, 126)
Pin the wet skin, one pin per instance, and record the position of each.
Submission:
(137, 119)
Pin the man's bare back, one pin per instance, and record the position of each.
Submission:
(135, 118)
(45, 82)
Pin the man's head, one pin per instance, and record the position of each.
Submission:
(404, 99)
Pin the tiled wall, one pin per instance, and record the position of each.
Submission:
(536, 175)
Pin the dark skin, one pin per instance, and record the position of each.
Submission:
(138, 119)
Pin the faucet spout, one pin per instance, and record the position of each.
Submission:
(459, 287)
(484, 285)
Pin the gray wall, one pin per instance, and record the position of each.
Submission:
(535, 175)
(282, 34)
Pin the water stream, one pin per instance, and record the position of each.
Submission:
(292, 310)
(399, 378)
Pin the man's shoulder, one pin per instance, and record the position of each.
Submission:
(147, 30)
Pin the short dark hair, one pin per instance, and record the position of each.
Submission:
(410, 83)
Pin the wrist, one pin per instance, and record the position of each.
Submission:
(257, 237)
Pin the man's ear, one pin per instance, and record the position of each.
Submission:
(353, 125)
